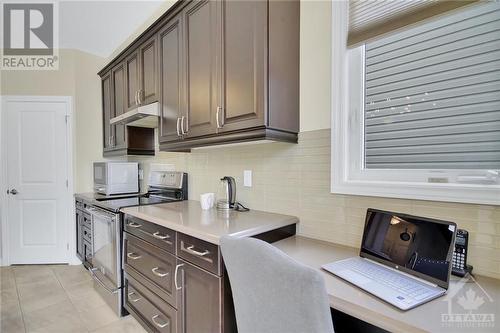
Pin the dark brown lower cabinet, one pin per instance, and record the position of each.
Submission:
(178, 285)
(168, 294)
(79, 234)
(200, 301)
(149, 309)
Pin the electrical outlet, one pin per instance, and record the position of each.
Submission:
(141, 174)
(247, 178)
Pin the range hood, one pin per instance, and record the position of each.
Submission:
(142, 116)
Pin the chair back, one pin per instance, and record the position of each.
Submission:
(273, 293)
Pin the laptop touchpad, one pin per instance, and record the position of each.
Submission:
(354, 277)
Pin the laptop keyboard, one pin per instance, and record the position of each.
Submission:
(399, 282)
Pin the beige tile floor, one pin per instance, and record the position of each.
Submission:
(55, 299)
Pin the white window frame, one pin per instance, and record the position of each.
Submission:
(348, 175)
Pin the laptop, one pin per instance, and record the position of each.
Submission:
(404, 260)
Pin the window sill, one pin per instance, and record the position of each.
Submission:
(462, 193)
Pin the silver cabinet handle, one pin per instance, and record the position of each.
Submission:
(135, 97)
(217, 117)
(133, 256)
(13, 191)
(175, 276)
(135, 299)
(182, 125)
(158, 273)
(139, 95)
(134, 225)
(190, 249)
(178, 131)
(157, 323)
(160, 236)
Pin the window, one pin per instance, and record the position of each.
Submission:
(418, 110)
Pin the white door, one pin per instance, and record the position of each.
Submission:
(36, 150)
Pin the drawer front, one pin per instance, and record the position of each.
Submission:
(201, 253)
(157, 235)
(87, 221)
(151, 310)
(154, 264)
(87, 234)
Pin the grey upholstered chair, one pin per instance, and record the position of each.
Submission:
(273, 293)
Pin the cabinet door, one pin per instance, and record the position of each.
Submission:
(243, 70)
(119, 105)
(132, 80)
(170, 59)
(107, 111)
(200, 300)
(148, 64)
(200, 40)
(79, 234)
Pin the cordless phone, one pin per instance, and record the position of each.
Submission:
(459, 263)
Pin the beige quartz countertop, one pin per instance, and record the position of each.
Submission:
(470, 305)
(209, 225)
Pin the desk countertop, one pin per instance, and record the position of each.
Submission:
(476, 304)
(209, 225)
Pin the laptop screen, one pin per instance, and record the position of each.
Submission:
(419, 246)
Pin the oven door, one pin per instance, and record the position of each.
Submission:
(106, 262)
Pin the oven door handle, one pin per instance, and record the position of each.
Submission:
(103, 215)
(94, 276)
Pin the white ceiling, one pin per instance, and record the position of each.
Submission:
(99, 27)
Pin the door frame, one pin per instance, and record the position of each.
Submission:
(71, 257)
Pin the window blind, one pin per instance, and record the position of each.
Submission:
(371, 18)
(432, 94)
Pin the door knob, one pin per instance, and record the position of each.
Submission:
(13, 191)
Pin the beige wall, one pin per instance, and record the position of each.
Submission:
(76, 77)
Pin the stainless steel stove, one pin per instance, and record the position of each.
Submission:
(163, 186)
(107, 226)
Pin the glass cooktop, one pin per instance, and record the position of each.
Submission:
(117, 204)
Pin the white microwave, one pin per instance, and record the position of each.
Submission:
(116, 177)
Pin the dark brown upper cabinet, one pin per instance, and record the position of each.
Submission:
(223, 71)
(170, 63)
(120, 140)
(240, 73)
(119, 104)
(148, 72)
(200, 85)
(132, 80)
(107, 113)
(243, 64)
(141, 66)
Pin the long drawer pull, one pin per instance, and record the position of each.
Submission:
(160, 236)
(134, 225)
(133, 256)
(158, 273)
(133, 300)
(190, 249)
(157, 323)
